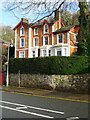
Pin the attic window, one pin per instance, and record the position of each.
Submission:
(22, 31)
(45, 28)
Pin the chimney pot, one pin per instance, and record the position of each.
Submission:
(24, 20)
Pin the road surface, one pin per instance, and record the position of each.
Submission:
(16, 105)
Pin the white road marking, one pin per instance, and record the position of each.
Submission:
(18, 108)
(37, 108)
(31, 113)
(72, 118)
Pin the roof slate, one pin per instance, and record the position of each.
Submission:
(63, 29)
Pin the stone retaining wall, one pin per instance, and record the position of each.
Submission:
(74, 83)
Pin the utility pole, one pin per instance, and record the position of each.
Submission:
(7, 78)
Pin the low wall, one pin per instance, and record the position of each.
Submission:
(75, 83)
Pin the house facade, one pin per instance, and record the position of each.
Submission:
(45, 38)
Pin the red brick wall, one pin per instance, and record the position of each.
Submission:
(65, 38)
(72, 50)
(41, 34)
(18, 48)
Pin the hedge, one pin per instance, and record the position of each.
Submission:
(50, 65)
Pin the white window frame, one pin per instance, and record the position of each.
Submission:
(44, 40)
(59, 50)
(35, 31)
(44, 54)
(47, 29)
(58, 38)
(21, 31)
(34, 41)
(20, 54)
(20, 42)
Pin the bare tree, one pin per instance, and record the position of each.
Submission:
(35, 9)
(6, 33)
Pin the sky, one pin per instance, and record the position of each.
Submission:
(8, 18)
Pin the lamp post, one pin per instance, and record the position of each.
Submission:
(7, 63)
(10, 45)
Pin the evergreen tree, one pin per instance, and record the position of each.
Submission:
(83, 36)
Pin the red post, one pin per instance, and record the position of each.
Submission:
(1, 78)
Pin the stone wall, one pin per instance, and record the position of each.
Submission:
(75, 83)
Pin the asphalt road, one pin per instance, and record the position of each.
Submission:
(16, 105)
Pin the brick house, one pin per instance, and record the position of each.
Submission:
(45, 38)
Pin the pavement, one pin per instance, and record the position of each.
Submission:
(48, 93)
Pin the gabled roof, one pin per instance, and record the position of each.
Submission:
(65, 29)
(20, 24)
(41, 22)
(47, 20)
(17, 25)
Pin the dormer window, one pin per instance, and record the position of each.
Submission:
(36, 31)
(45, 29)
(22, 31)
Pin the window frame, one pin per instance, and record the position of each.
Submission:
(46, 32)
(59, 50)
(58, 41)
(37, 42)
(35, 31)
(20, 54)
(21, 43)
(45, 40)
(22, 29)
(44, 54)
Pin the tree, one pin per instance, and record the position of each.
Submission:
(38, 9)
(70, 19)
(3, 56)
(45, 8)
(83, 36)
(6, 33)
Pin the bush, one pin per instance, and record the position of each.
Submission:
(51, 65)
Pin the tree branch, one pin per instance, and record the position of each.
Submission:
(53, 11)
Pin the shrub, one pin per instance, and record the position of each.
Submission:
(51, 65)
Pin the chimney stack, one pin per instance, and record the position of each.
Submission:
(57, 15)
(24, 20)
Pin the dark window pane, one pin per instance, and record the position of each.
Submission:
(60, 38)
(58, 53)
(46, 40)
(22, 42)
